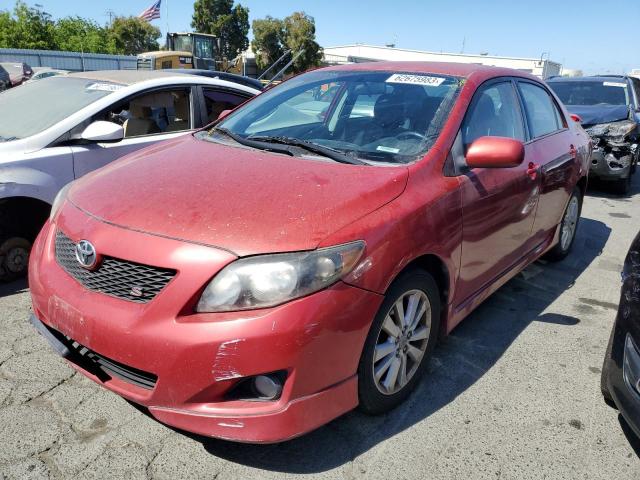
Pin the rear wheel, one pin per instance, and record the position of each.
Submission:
(568, 227)
(400, 342)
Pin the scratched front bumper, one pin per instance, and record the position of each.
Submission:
(198, 358)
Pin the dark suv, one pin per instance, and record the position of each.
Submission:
(609, 109)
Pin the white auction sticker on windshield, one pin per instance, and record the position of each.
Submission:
(104, 87)
(424, 80)
(614, 84)
(382, 148)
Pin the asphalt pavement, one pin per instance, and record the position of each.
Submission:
(512, 393)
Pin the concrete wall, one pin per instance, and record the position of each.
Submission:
(74, 61)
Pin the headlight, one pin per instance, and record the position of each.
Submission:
(269, 280)
(58, 201)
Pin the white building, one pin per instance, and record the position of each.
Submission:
(358, 53)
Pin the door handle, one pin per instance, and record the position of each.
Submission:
(573, 152)
(532, 170)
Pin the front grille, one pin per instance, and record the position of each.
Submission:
(102, 367)
(118, 278)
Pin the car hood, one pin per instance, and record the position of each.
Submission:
(595, 114)
(243, 200)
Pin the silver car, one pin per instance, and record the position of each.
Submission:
(60, 128)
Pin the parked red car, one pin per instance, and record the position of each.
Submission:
(302, 257)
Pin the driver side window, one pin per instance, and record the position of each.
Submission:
(152, 113)
(495, 111)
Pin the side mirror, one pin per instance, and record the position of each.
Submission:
(102, 131)
(576, 118)
(495, 152)
(224, 113)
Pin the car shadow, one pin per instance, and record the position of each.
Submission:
(600, 189)
(459, 361)
(14, 287)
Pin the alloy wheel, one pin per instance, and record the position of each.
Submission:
(569, 223)
(402, 342)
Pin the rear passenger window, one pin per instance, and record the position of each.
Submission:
(495, 112)
(217, 101)
(543, 115)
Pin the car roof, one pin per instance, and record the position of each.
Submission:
(465, 70)
(231, 77)
(124, 77)
(594, 78)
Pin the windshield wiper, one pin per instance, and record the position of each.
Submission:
(251, 143)
(7, 139)
(331, 153)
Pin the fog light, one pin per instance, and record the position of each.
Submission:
(268, 387)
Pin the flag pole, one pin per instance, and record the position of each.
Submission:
(166, 10)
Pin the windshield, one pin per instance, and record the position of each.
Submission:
(377, 116)
(595, 92)
(34, 107)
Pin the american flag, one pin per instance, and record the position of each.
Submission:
(152, 12)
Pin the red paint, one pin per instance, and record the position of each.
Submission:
(194, 207)
(495, 152)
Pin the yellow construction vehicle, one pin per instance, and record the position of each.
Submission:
(185, 50)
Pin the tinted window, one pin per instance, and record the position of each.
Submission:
(542, 114)
(217, 101)
(494, 112)
(609, 92)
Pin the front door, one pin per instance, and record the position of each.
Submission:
(499, 204)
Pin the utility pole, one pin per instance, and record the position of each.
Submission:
(110, 13)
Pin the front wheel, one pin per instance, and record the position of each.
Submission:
(568, 227)
(400, 342)
(14, 258)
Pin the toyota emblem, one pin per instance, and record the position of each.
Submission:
(86, 254)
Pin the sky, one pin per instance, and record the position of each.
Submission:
(597, 37)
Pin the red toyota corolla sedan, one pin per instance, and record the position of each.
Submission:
(302, 257)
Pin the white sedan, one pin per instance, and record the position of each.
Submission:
(60, 128)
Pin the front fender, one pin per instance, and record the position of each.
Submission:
(33, 181)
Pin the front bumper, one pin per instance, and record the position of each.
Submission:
(624, 378)
(610, 166)
(192, 361)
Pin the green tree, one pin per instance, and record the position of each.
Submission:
(28, 27)
(300, 34)
(268, 35)
(76, 34)
(224, 20)
(7, 26)
(132, 35)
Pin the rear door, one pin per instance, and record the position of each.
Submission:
(553, 154)
(148, 117)
(498, 203)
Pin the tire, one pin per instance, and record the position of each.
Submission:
(14, 258)
(570, 220)
(384, 394)
(622, 186)
(604, 377)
